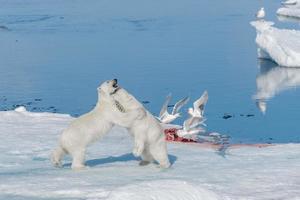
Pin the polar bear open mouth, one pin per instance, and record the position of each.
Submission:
(115, 86)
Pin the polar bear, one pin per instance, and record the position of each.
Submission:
(149, 139)
(89, 127)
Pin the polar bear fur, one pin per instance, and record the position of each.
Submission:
(89, 127)
(149, 139)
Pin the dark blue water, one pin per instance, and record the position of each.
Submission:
(54, 54)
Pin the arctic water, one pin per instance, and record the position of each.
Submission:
(54, 54)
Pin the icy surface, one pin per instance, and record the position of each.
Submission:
(197, 173)
(281, 45)
(292, 9)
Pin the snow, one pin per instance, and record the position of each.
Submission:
(245, 172)
(281, 45)
(162, 189)
(292, 9)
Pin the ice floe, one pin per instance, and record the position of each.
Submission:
(244, 172)
(280, 45)
(291, 9)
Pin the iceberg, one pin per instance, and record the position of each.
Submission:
(280, 45)
(197, 172)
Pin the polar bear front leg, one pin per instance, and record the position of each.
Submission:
(78, 160)
(126, 119)
(139, 136)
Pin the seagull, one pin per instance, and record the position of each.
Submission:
(164, 116)
(260, 14)
(198, 106)
(191, 127)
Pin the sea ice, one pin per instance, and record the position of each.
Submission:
(197, 173)
(281, 45)
(291, 9)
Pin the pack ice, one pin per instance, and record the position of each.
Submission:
(280, 45)
(197, 173)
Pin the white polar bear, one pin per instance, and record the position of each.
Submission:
(149, 139)
(90, 127)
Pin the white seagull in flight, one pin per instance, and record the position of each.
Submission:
(164, 116)
(198, 106)
(191, 127)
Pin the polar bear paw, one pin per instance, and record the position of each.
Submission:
(165, 165)
(79, 167)
(56, 163)
(138, 150)
(144, 163)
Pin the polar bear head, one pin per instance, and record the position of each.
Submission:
(110, 91)
(108, 88)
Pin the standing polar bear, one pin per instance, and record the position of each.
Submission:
(89, 127)
(149, 138)
(114, 106)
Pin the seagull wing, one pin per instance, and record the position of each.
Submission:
(192, 122)
(180, 104)
(200, 103)
(164, 108)
(186, 125)
(191, 133)
(196, 130)
(196, 121)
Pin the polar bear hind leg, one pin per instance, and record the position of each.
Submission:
(159, 153)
